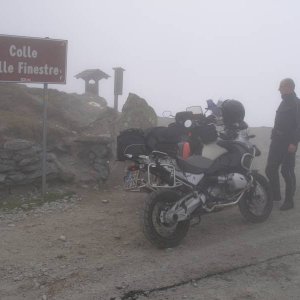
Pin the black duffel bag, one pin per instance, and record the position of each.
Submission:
(207, 133)
(130, 141)
(165, 139)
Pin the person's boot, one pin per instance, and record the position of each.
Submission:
(287, 205)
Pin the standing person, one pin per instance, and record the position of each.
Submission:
(284, 141)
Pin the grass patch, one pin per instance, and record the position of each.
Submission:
(29, 202)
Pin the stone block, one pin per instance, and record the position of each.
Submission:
(17, 144)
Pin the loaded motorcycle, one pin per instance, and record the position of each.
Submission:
(185, 136)
(183, 188)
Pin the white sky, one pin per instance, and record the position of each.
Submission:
(176, 53)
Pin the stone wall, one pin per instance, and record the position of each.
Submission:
(21, 161)
(94, 152)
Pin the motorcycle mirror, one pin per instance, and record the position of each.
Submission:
(196, 110)
(187, 123)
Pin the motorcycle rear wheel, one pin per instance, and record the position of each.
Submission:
(256, 205)
(161, 234)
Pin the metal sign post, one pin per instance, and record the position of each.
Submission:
(116, 102)
(34, 60)
(44, 158)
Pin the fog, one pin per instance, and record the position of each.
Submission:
(176, 53)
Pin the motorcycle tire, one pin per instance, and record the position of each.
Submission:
(155, 205)
(247, 203)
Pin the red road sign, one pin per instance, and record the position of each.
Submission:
(35, 60)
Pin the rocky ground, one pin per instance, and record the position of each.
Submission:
(89, 245)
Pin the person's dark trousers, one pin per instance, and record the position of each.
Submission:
(288, 173)
(278, 155)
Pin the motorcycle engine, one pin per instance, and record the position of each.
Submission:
(236, 181)
(227, 185)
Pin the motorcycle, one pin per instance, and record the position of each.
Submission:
(184, 188)
(184, 137)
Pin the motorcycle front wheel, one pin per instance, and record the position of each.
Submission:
(256, 205)
(156, 230)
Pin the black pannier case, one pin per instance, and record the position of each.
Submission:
(130, 141)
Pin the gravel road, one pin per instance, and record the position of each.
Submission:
(91, 246)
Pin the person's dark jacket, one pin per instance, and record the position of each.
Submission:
(287, 121)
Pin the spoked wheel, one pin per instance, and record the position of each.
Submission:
(256, 205)
(157, 230)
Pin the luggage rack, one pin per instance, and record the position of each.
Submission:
(136, 180)
(167, 167)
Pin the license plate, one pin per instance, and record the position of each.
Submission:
(131, 180)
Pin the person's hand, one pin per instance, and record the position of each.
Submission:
(292, 148)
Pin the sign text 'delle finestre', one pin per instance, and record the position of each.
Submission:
(23, 67)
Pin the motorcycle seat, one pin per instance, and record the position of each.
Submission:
(195, 164)
(228, 144)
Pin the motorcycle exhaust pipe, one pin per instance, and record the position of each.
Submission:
(188, 207)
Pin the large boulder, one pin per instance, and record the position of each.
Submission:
(136, 113)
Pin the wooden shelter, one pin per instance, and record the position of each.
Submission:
(92, 78)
